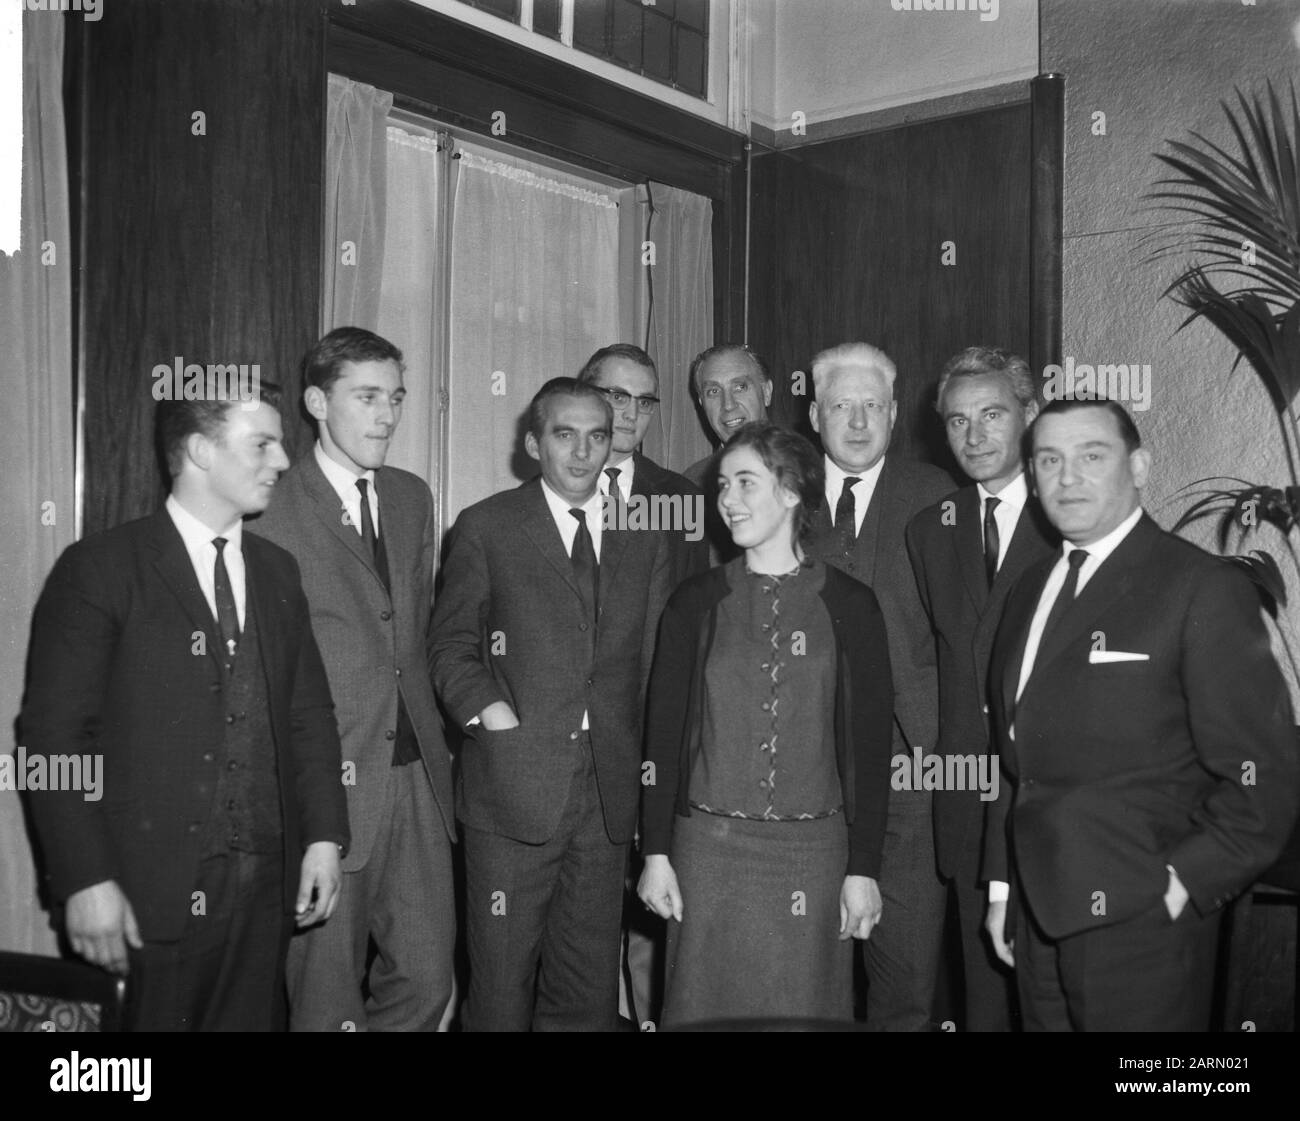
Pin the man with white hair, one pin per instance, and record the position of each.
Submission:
(870, 498)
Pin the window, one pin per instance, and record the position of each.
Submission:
(664, 40)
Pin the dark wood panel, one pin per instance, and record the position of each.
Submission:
(461, 96)
(846, 244)
(205, 247)
(1047, 217)
(437, 37)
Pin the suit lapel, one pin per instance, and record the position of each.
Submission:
(173, 565)
(1112, 580)
(545, 535)
(968, 547)
(1019, 616)
(880, 510)
(263, 606)
(329, 508)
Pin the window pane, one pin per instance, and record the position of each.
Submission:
(546, 18)
(694, 13)
(507, 8)
(589, 25)
(690, 73)
(625, 46)
(657, 52)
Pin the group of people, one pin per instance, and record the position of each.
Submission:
(778, 731)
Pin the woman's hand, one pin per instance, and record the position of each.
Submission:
(657, 887)
(860, 907)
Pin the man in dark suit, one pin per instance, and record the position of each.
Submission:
(178, 649)
(1147, 735)
(543, 635)
(967, 550)
(626, 375)
(733, 387)
(873, 497)
(363, 535)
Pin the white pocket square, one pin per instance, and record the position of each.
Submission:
(1101, 657)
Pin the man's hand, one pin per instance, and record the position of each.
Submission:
(658, 887)
(318, 884)
(1176, 896)
(995, 922)
(101, 925)
(860, 907)
(498, 717)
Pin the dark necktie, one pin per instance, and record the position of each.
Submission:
(227, 615)
(615, 495)
(585, 568)
(846, 512)
(992, 543)
(1066, 595)
(373, 541)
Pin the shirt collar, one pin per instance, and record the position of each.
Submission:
(625, 470)
(340, 478)
(1098, 551)
(195, 534)
(835, 476)
(560, 508)
(1015, 494)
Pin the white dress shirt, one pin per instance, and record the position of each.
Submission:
(567, 524)
(1098, 551)
(1006, 514)
(344, 483)
(198, 540)
(861, 493)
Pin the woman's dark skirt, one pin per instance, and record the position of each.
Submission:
(759, 936)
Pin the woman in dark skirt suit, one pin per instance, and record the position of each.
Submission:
(768, 752)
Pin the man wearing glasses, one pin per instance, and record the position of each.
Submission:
(626, 376)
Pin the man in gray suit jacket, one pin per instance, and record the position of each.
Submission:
(363, 535)
(872, 497)
(544, 631)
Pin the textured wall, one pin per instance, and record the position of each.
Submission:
(1158, 69)
(840, 58)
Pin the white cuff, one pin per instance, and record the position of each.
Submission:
(999, 891)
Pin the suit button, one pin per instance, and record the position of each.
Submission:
(582, 626)
(986, 710)
(230, 719)
(207, 757)
(765, 666)
(574, 735)
(398, 672)
(192, 827)
(589, 683)
(232, 766)
(385, 615)
(390, 735)
(765, 706)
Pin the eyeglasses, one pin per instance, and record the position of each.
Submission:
(619, 398)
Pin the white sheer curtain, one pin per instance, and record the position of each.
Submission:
(355, 202)
(534, 290)
(413, 294)
(38, 498)
(679, 227)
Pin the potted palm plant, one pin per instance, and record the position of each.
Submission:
(1237, 217)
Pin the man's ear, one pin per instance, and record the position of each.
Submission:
(531, 446)
(1031, 412)
(812, 417)
(315, 402)
(198, 450)
(1139, 465)
(767, 394)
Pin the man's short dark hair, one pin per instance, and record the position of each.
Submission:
(177, 421)
(1127, 429)
(717, 352)
(978, 361)
(627, 351)
(322, 365)
(562, 387)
